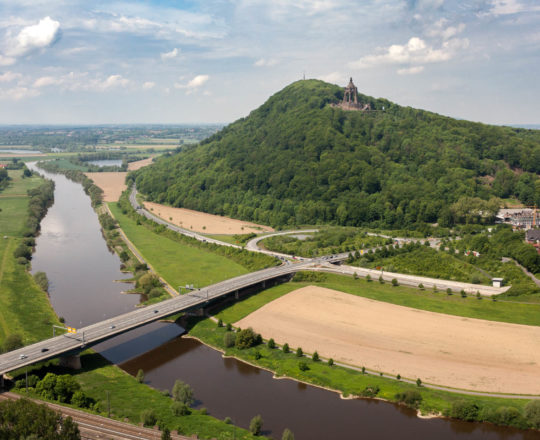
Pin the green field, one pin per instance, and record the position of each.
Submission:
(24, 308)
(128, 399)
(178, 263)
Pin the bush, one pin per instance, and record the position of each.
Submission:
(247, 338)
(13, 342)
(155, 292)
(411, 398)
(299, 352)
(464, 410)
(303, 366)
(330, 362)
(220, 322)
(182, 392)
(315, 357)
(255, 426)
(421, 286)
(23, 251)
(148, 417)
(368, 278)
(257, 355)
(532, 413)
(449, 291)
(395, 282)
(287, 435)
(229, 339)
(381, 280)
(140, 376)
(81, 400)
(227, 420)
(41, 280)
(180, 409)
(271, 343)
(504, 415)
(418, 382)
(286, 348)
(370, 391)
(229, 327)
(463, 294)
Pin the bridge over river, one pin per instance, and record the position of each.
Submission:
(68, 343)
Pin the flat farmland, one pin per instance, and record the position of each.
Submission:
(454, 351)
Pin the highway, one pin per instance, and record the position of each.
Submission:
(64, 344)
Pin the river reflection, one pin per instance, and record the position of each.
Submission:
(82, 274)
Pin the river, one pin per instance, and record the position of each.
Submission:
(84, 288)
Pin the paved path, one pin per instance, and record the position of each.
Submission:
(525, 271)
(92, 426)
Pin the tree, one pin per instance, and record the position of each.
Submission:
(140, 376)
(418, 382)
(255, 426)
(394, 282)
(303, 366)
(180, 409)
(287, 435)
(247, 338)
(315, 357)
(449, 291)
(271, 343)
(464, 410)
(532, 413)
(286, 348)
(166, 434)
(299, 352)
(220, 322)
(229, 339)
(330, 362)
(368, 278)
(148, 417)
(13, 342)
(398, 377)
(381, 279)
(182, 392)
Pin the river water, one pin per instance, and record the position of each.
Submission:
(84, 288)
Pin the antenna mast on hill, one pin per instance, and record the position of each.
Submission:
(304, 76)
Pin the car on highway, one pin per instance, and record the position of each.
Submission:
(23, 356)
(112, 326)
(44, 350)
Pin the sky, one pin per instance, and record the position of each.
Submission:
(213, 61)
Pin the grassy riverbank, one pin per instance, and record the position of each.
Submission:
(352, 382)
(176, 262)
(108, 385)
(24, 307)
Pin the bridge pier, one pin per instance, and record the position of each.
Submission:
(73, 362)
(1, 381)
(236, 295)
(263, 284)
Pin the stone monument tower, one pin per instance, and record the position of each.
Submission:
(350, 99)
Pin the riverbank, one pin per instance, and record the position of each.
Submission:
(25, 309)
(348, 381)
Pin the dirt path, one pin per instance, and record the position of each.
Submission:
(450, 351)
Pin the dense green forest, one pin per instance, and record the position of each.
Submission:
(299, 160)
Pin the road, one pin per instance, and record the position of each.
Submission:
(54, 347)
(92, 426)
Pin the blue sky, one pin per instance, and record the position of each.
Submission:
(91, 62)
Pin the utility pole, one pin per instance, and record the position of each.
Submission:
(26, 376)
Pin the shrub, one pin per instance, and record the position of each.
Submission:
(418, 382)
(370, 391)
(247, 338)
(395, 282)
(398, 377)
(287, 435)
(182, 392)
(257, 355)
(41, 280)
(81, 400)
(148, 417)
(463, 294)
(155, 292)
(303, 366)
(227, 420)
(286, 348)
(381, 280)
(229, 339)
(411, 398)
(220, 322)
(180, 409)
(315, 357)
(13, 342)
(23, 251)
(449, 291)
(255, 426)
(464, 410)
(228, 327)
(271, 343)
(330, 362)
(421, 286)
(140, 376)
(368, 278)
(532, 413)
(299, 352)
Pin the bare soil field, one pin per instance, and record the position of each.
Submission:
(112, 184)
(458, 352)
(203, 222)
(132, 166)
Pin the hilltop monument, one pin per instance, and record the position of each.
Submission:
(350, 99)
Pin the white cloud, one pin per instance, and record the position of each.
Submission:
(9, 76)
(34, 37)
(440, 29)
(113, 81)
(168, 55)
(416, 51)
(410, 70)
(193, 84)
(263, 62)
(46, 81)
(6, 61)
(148, 85)
(18, 93)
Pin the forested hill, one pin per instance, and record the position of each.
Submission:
(298, 160)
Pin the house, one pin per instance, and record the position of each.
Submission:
(532, 236)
